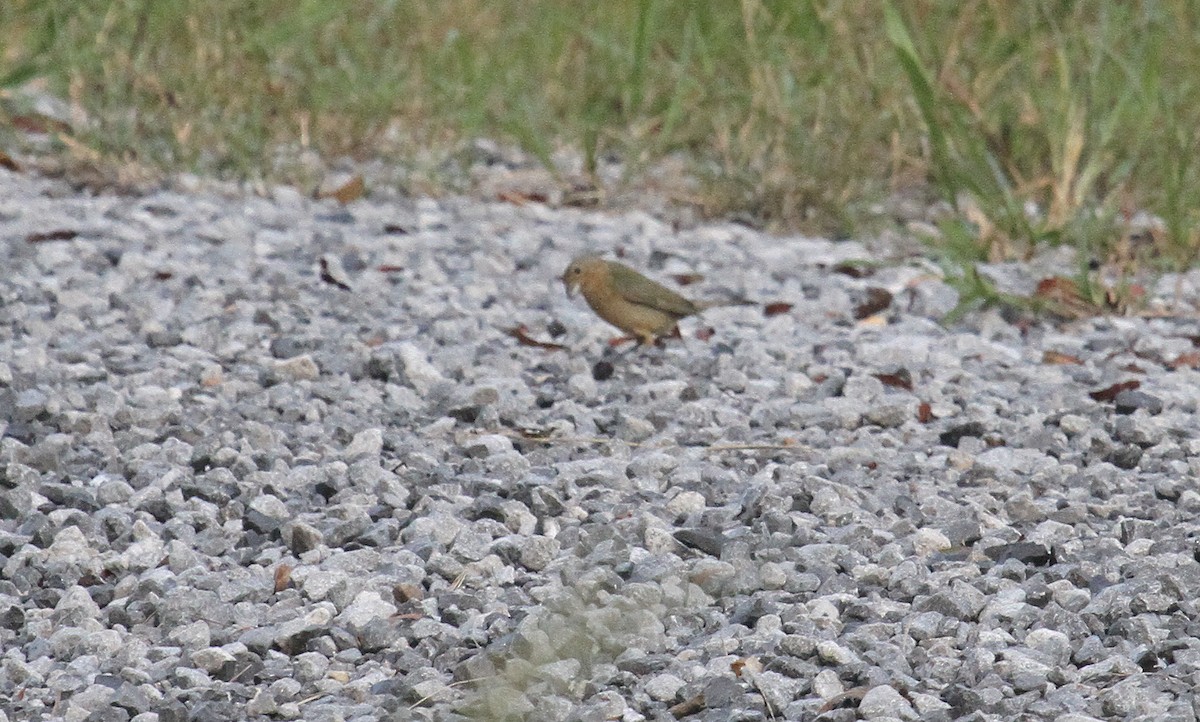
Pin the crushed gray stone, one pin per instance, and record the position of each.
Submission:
(275, 458)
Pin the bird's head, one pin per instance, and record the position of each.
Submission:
(579, 271)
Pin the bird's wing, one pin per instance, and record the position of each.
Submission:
(636, 288)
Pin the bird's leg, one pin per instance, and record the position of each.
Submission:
(661, 341)
(611, 353)
(643, 340)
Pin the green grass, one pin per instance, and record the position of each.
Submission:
(797, 114)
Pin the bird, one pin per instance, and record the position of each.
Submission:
(644, 309)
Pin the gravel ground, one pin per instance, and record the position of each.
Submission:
(231, 488)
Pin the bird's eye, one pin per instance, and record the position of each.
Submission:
(577, 271)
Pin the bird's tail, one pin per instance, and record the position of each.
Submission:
(723, 302)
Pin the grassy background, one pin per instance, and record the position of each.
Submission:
(798, 114)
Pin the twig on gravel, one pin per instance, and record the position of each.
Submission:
(459, 683)
(783, 446)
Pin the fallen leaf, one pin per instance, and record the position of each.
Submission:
(705, 333)
(89, 579)
(854, 269)
(163, 275)
(901, 379)
(6, 161)
(950, 437)
(395, 229)
(351, 190)
(776, 308)
(328, 277)
(878, 299)
(846, 700)
(1057, 288)
(59, 235)
(686, 708)
(1058, 358)
(924, 412)
(520, 198)
(1190, 359)
(742, 665)
(283, 577)
(408, 592)
(1064, 296)
(1117, 300)
(39, 124)
(687, 279)
(389, 268)
(521, 334)
(1110, 393)
(582, 195)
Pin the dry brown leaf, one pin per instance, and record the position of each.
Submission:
(520, 198)
(521, 334)
(59, 235)
(1064, 297)
(328, 277)
(408, 592)
(688, 707)
(1110, 393)
(848, 699)
(36, 123)
(1058, 358)
(878, 299)
(924, 412)
(1190, 360)
(776, 308)
(742, 665)
(854, 270)
(687, 279)
(283, 577)
(1057, 288)
(351, 190)
(901, 379)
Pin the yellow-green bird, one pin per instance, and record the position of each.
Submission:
(628, 300)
